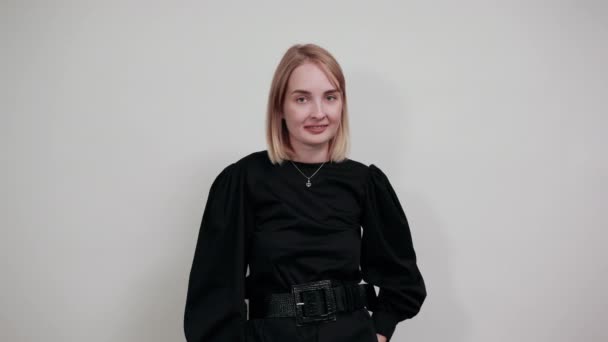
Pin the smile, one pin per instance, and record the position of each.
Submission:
(316, 129)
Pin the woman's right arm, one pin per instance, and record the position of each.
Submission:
(215, 308)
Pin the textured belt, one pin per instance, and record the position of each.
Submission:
(313, 302)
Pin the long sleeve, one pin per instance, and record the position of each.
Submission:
(388, 259)
(215, 303)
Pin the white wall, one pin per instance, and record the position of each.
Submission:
(117, 115)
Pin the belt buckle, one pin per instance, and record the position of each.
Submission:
(330, 302)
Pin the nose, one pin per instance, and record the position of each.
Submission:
(318, 110)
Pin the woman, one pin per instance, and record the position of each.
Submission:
(293, 213)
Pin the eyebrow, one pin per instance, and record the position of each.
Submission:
(308, 93)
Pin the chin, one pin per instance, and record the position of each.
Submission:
(319, 140)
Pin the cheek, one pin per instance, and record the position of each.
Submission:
(295, 113)
(336, 109)
(336, 114)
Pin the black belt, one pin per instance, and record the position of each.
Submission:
(313, 302)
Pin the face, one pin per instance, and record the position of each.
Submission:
(312, 108)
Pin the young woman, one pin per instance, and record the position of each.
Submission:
(293, 213)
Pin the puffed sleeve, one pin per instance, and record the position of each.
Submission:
(388, 259)
(215, 302)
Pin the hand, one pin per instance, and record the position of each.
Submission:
(381, 338)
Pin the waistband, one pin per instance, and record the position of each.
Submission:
(314, 302)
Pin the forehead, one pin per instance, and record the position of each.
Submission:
(309, 76)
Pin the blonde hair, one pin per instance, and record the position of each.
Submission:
(277, 135)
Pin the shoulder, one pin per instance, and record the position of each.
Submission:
(251, 165)
(356, 167)
(252, 158)
(366, 170)
(373, 171)
(236, 168)
(246, 168)
(242, 163)
(370, 174)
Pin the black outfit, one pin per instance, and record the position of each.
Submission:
(264, 216)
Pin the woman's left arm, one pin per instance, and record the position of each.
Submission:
(388, 259)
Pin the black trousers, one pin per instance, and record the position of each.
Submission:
(355, 326)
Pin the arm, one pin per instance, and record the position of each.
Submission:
(215, 305)
(388, 259)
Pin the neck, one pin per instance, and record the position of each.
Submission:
(310, 154)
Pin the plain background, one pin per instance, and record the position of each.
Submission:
(489, 117)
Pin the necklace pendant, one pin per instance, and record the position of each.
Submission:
(308, 183)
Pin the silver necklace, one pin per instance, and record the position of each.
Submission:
(308, 183)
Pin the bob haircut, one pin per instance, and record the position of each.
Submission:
(277, 135)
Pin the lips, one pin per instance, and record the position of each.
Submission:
(316, 129)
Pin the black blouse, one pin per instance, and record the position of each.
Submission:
(264, 216)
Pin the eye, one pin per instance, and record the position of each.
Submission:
(300, 98)
(332, 97)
